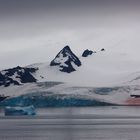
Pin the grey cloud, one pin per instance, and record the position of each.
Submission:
(25, 24)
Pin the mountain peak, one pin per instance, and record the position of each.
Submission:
(66, 60)
(66, 48)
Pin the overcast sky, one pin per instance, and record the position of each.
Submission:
(35, 30)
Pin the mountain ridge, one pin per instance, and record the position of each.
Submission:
(102, 68)
(101, 79)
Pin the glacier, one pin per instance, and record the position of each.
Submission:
(53, 101)
(57, 94)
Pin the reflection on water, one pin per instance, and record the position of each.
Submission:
(88, 123)
(86, 111)
(105, 110)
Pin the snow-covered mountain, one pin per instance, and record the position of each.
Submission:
(66, 60)
(96, 77)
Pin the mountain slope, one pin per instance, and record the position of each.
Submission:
(108, 68)
(103, 78)
(112, 67)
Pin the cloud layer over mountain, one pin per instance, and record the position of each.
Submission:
(31, 30)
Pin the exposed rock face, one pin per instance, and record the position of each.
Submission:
(17, 76)
(87, 52)
(102, 49)
(66, 60)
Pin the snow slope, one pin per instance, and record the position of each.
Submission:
(112, 67)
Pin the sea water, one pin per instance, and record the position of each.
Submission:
(83, 123)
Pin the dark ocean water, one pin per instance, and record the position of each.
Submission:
(88, 123)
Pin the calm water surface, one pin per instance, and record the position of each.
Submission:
(85, 123)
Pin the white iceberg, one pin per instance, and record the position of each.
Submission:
(19, 111)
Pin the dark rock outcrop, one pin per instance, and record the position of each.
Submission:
(102, 49)
(17, 76)
(86, 53)
(65, 60)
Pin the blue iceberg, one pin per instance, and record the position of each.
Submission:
(19, 111)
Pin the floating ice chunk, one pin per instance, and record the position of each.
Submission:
(19, 111)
